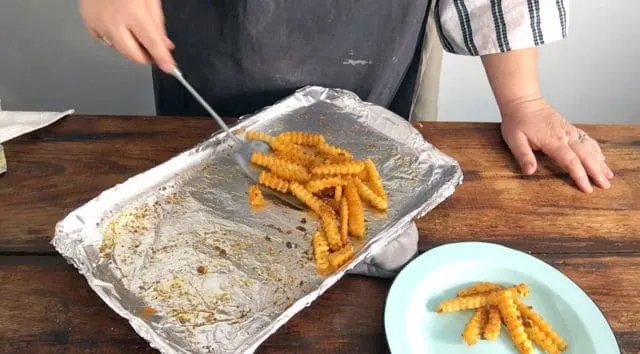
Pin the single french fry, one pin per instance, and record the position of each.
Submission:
(321, 253)
(474, 326)
(272, 181)
(356, 214)
(543, 325)
(479, 288)
(341, 257)
(369, 196)
(306, 197)
(256, 199)
(492, 329)
(513, 322)
(282, 168)
(374, 179)
(346, 168)
(344, 220)
(256, 135)
(330, 227)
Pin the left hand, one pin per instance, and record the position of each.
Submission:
(536, 126)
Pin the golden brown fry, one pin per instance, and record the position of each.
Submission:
(274, 182)
(538, 337)
(492, 329)
(316, 185)
(330, 227)
(544, 327)
(474, 301)
(356, 214)
(294, 153)
(334, 153)
(337, 194)
(302, 138)
(280, 167)
(513, 322)
(256, 199)
(306, 197)
(474, 326)
(340, 257)
(369, 196)
(479, 288)
(344, 221)
(256, 135)
(346, 168)
(321, 253)
(374, 179)
(363, 175)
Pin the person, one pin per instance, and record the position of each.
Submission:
(243, 55)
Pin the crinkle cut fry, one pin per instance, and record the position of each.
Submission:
(257, 135)
(293, 153)
(334, 153)
(356, 213)
(492, 329)
(321, 253)
(302, 138)
(280, 167)
(274, 182)
(544, 326)
(316, 185)
(344, 220)
(306, 197)
(474, 301)
(513, 321)
(346, 168)
(330, 227)
(369, 196)
(341, 257)
(538, 337)
(478, 288)
(374, 179)
(474, 326)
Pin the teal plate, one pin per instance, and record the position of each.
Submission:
(413, 326)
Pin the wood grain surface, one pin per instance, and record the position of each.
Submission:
(48, 307)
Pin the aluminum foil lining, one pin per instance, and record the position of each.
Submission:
(180, 254)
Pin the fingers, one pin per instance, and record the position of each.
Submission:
(570, 162)
(519, 146)
(593, 160)
(146, 31)
(134, 28)
(124, 42)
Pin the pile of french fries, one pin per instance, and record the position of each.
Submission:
(327, 179)
(493, 305)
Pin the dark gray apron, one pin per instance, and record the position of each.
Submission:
(243, 55)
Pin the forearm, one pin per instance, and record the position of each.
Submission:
(513, 77)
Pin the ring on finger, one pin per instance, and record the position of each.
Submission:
(105, 41)
(582, 136)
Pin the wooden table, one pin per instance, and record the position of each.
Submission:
(48, 307)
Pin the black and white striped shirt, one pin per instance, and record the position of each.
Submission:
(480, 27)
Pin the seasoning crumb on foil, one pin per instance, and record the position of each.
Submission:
(194, 269)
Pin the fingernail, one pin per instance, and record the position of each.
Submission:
(529, 168)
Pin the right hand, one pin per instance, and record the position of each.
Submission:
(135, 28)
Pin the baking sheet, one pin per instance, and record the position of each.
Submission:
(178, 251)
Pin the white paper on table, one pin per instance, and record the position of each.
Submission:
(16, 123)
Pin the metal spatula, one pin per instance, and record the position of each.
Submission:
(242, 149)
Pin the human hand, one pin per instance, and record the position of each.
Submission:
(536, 126)
(135, 28)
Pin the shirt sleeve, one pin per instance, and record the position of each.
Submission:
(480, 27)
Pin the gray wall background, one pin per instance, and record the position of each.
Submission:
(49, 62)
